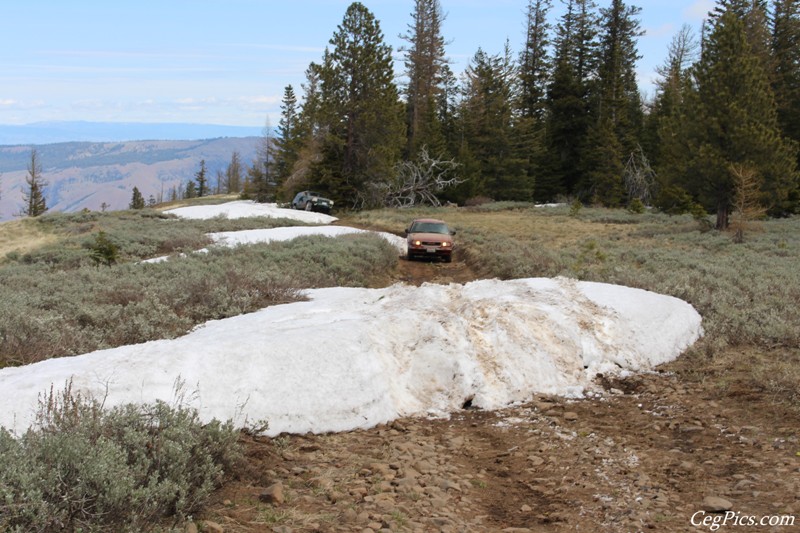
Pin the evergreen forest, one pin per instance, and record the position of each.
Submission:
(561, 119)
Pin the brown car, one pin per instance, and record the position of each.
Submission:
(428, 237)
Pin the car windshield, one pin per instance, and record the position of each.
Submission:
(312, 193)
(429, 227)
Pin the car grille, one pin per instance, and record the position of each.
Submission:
(431, 243)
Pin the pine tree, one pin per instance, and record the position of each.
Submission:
(754, 15)
(424, 63)
(360, 112)
(447, 107)
(137, 200)
(103, 250)
(260, 182)
(488, 128)
(534, 71)
(35, 204)
(190, 190)
(289, 140)
(617, 115)
(568, 96)
(735, 121)
(618, 92)
(603, 167)
(233, 174)
(202, 180)
(309, 133)
(668, 101)
(534, 61)
(786, 53)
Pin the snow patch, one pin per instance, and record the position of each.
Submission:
(249, 208)
(351, 358)
(254, 236)
(235, 238)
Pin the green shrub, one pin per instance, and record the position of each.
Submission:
(636, 206)
(575, 207)
(104, 251)
(83, 468)
(674, 200)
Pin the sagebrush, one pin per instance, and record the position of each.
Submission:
(86, 468)
(53, 307)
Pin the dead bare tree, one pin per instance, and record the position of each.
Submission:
(418, 182)
(639, 177)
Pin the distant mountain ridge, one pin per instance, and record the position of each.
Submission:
(87, 175)
(65, 131)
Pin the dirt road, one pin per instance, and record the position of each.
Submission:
(649, 453)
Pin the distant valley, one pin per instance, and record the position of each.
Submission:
(92, 174)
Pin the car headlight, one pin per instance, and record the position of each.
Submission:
(445, 244)
(417, 243)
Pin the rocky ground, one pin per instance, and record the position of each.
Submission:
(645, 453)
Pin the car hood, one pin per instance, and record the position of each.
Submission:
(440, 237)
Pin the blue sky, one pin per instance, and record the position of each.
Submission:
(228, 61)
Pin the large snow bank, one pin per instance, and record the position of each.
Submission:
(353, 358)
(248, 208)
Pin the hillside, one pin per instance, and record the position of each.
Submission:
(87, 175)
(84, 131)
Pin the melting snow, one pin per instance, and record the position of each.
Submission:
(235, 238)
(350, 358)
(249, 208)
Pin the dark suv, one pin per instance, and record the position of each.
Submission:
(312, 201)
(428, 237)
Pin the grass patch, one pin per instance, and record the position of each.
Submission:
(22, 236)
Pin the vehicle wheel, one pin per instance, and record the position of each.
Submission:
(448, 259)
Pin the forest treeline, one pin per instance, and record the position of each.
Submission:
(562, 118)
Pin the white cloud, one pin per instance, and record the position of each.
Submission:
(698, 10)
(196, 101)
(260, 100)
(664, 30)
(279, 47)
(8, 102)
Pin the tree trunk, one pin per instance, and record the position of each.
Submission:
(722, 216)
